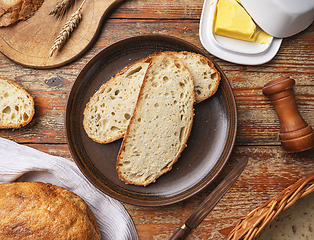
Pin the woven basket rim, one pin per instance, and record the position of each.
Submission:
(250, 226)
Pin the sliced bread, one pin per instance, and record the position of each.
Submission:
(107, 114)
(16, 105)
(161, 122)
(205, 76)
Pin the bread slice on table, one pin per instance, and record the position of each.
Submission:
(16, 105)
(36, 210)
(107, 114)
(12, 11)
(205, 76)
(161, 122)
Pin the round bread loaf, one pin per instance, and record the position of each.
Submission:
(35, 210)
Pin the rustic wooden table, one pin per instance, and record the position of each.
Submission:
(270, 169)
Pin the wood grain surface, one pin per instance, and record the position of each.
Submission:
(270, 169)
(29, 42)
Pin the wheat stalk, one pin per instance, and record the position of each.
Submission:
(62, 7)
(66, 31)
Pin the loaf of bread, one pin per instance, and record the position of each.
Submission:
(16, 105)
(34, 210)
(12, 11)
(206, 78)
(161, 122)
(107, 114)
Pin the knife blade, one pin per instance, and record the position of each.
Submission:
(210, 201)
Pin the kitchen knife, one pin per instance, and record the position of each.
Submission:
(211, 200)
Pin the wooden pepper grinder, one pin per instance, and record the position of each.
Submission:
(295, 134)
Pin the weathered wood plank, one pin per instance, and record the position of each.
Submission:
(258, 123)
(163, 9)
(270, 169)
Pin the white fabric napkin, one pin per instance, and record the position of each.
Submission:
(25, 164)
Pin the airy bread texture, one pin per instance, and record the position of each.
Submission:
(206, 78)
(34, 210)
(107, 114)
(161, 122)
(16, 105)
(12, 11)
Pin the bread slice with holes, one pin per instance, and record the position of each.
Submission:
(107, 114)
(16, 105)
(161, 122)
(206, 78)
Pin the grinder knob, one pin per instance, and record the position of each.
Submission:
(295, 134)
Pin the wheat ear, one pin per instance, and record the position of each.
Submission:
(67, 29)
(61, 8)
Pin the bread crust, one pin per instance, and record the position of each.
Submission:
(124, 176)
(201, 68)
(17, 10)
(206, 80)
(21, 98)
(93, 122)
(36, 210)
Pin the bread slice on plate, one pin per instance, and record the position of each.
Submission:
(161, 122)
(12, 11)
(107, 114)
(205, 76)
(16, 105)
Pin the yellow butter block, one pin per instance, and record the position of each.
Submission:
(233, 21)
(263, 37)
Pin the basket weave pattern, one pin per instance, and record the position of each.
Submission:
(250, 226)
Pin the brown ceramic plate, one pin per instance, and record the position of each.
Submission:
(208, 148)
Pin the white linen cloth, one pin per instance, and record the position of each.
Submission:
(25, 164)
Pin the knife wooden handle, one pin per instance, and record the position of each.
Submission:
(181, 233)
(210, 201)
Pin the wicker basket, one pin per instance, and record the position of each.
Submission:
(249, 227)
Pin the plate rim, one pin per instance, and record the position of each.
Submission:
(163, 201)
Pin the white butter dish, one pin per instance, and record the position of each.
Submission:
(233, 50)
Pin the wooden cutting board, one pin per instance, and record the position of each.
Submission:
(29, 42)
